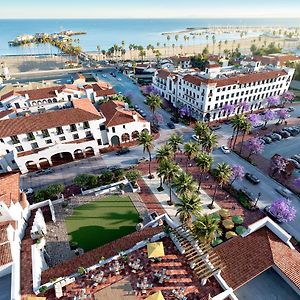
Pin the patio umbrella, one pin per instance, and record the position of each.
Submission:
(237, 220)
(155, 250)
(228, 224)
(224, 213)
(156, 296)
(230, 234)
(240, 230)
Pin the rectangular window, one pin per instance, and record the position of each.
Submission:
(19, 149)
(62, 138)
(73, 127)
(59, 130)
(86, 125)
(99, 142)
(30, 136)
(34, 145)
(88, 134)
(45, 133)
(48, 141)
(75, 136)
(113, 129)
(15, 139)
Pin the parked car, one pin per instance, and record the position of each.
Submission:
(269, 214)
(262, 141)
(195, 138)
(283, 192)
(267, 139)
(123, 151)
(136, 107)
(249, 194)
(215, 127)
(296, 157)
(259, 125)
(143, 114)
(44, 171)
(225, 149)
(171, 125)
(278, 136)
(297, 164)
(291, 108)
(283, 133)
(292, 131)
(174, 120)
(252, 178)
(142, 159)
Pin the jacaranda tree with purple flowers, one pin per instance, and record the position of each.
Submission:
(254, 119)
(297, 182)
(273, 101)
(287, 97)
(228, 109)
(282, 114)
(238, 173)
(244, 106)
(268, 116)
(254, 146)
(278, 165)
(282, 210)
(151, 90)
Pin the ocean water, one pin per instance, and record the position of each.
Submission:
(107, 32)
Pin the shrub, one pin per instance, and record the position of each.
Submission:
(107, 177)
(40, 195)
(133, 175)
(55, 190)
(119, 174)
(86, 181)
(242, 198)
(43, 289)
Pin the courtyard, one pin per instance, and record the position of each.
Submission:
(99, 222)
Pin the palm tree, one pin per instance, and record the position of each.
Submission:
(175, 141)
(222, 175)
(200, 129)
(190, 205)
(191, 149)
(146, 140)
(169, 171)
(164, 153)
(184, 184)
(204, 162)
(209, 141)
(245, 128)
(154, 102)
(237, 122)
(206, 228)
(214, 43)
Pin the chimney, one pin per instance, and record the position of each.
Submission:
(126, 106)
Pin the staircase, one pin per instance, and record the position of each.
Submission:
(201, 257)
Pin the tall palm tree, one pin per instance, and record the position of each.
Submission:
(204, 162)
(245, 128)
(184, 183)
(164, 153)
(169, 171)
(146, 140)
(209, 141)
(154, 102)
(237, 122)
(206, 228)
(190, 205)
(200, 129)
(214, 43)
(222, 175)
(175, 140)
(191, 149)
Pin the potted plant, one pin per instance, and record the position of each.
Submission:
(81, 271)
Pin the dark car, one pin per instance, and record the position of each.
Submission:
(174, 120)
(122, 151)
(171, 125)
(215, 127)
(252, 178)
(267, 139)
(283, 133)
(44, 171)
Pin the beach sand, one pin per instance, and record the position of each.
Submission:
(244, 43)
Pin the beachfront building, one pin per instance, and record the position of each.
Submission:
(176, 62)
(100, 91)
(205, 94)
(122, 124)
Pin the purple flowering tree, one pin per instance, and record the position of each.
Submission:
(297, 182)
(254, 119)
(184, 112)
(228, 109)
(244, 106)
(238, 173)
(157, 118)
(254, 146)
(282, 210)
(151, 90)
(268, 116)
(287, 97)
(278, 165)
(273, 101)
(282, 114)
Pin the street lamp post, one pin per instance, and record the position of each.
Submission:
(257, 199)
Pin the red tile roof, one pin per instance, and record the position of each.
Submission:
(3, 234)
(5, 254)
(43, 93)
(195, 79)
(246, 258)
(5, 113)
(116, 114)
(82, 111)
(9, 94)
(163, 74)
(10, 188)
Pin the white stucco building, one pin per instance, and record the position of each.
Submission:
(206, 93)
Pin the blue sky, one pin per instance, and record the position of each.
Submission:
(149, 8)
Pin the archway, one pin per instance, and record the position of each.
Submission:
(44, 163)
(61, 158)
(78, 154)
(207, 117)
(125, 137)
(115, 140)
(145, 130)
(31, 166)
(135, 135)
(89, 151)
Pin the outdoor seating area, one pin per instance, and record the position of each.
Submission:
(147, 272)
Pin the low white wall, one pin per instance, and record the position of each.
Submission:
(104, 187)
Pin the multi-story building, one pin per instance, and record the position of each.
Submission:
(206, 93)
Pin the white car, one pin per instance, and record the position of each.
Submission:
(195, 138)
(28, 191)
(284, 192)
(225, 149)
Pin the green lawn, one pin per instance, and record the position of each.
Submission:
(100, 222)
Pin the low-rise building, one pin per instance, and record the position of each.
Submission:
(206, 93)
